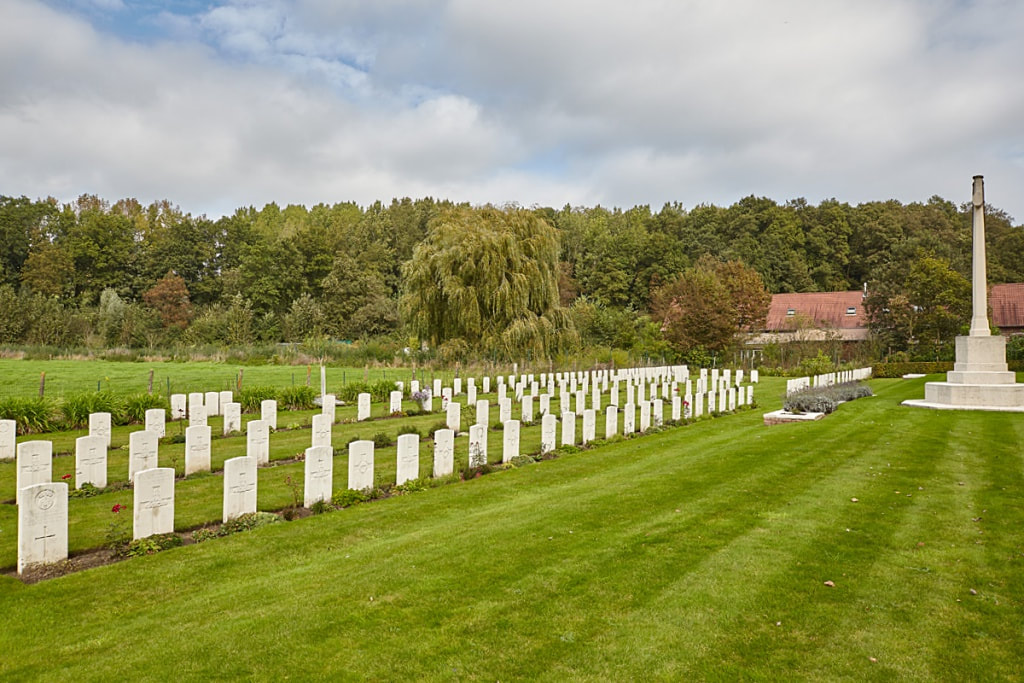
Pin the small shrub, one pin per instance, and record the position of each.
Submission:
(134, 407)
(152, 544)
(349, 497)
(411, 486)
(381, 440)
(86, 490)
(381, 391)
(252, 397)
(297, 398)
(320, 507)
(204, 534)
(436, 426)
(75, 409)
(32, 415)
(350, 392)
(247, 522)
(521, 460)
(409, 429)
(175, 438)
(825, 399)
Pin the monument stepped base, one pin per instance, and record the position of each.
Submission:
(949, 396)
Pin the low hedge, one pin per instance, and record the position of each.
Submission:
(897, 370)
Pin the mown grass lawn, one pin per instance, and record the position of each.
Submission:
(697, 553)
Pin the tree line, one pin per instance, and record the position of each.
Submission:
(475, 280)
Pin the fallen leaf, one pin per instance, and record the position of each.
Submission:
(830, 584)
(854, 500)
(872, 659)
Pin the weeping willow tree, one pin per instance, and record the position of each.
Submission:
(486, 280)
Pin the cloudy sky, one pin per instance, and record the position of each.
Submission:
(216, 105)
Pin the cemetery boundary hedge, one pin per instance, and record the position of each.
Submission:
(897, 370)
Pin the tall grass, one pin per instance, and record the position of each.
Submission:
(32, 415)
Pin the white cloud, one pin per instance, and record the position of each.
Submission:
(536, 102)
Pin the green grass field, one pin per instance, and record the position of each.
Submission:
(20, 378)
(697, 553)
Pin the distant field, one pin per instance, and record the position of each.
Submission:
(699, 553)
(21, 377)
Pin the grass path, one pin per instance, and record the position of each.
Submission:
(696, 553)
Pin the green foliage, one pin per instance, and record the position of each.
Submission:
(32, 415)
(246, 522)
(251, 397)
(136, 405)
(76, 408)
(320, 507)
(819, 365)
(897, 370)
(152, 544)
(349, 497)
(825, 399)
(298, 397)
(409, 429)
(381, 440)
(86, 490)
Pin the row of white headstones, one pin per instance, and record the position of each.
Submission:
(828, 379)
(43, 504)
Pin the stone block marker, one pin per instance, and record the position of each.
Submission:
(197, 449)
(321, 431)
(34, 464)
(329, 407)
(505, 409)
(477, 445)
(225, 398)
(42, 524)
(363, 407)
(548, 428)
(453, 417)
(360, 465)
(257, 441)
(156, 422)
(232, 417)
(611, 421)
(408, 464)
(268, 412)
(211, 399)
(197, 416)
(589, 417)
(153, 505)
(526, 409)
(510, 440)
(395, 405)
(568, 428)
(142, 452)
(628, 418)
(658, 412)
(99, 425)
(483, 413)
(196, 400)
(444, 452)
(677, 408)
(645, 415)
(179, 406)
(318, 481)
(8, 439)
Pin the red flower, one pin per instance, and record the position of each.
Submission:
(66, 476)
(117, 508)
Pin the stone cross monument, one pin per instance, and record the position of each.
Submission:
(980, 379)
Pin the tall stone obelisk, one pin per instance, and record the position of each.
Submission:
(980, 379)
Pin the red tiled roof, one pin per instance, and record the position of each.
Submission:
(1007, 302)
(822, 309)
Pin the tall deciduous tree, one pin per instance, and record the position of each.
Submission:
(169, 297)
(488, 279)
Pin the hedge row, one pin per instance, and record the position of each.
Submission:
(897, 370)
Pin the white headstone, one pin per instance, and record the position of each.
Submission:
(257, 441)
(545, 404)
(232, 417)
(363, 407)
(408, 465)
(457, 386)
(268, 412)
(454, 416)
(8, 438)
(142, 452)
(754, 376)
(436, 387)
(197, 449)
(750, 392)
(212, 402)
(568, 428)
(658, 412)
(526, 409)
(589, 417)
(197, 415)
(225, 398)
(196, 399)
(99, 425)
(239, 487)
(42, 524)
(179, 407)
(698, 405)
(444, 452)
(328, 407)
(414, 386)
(510, 440)
(153, 503)
(360, 465)
(628, 419)
(722, 397)
(395, 406)
(35, 464)
(156, 422)
(319, 475)
(581, 402)
(483, 413)
(611, 421)
(548, 427)
(471, 394)
(645, 415)
(732, 398)
(477, 445)
(487, 385)
(321, 431)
